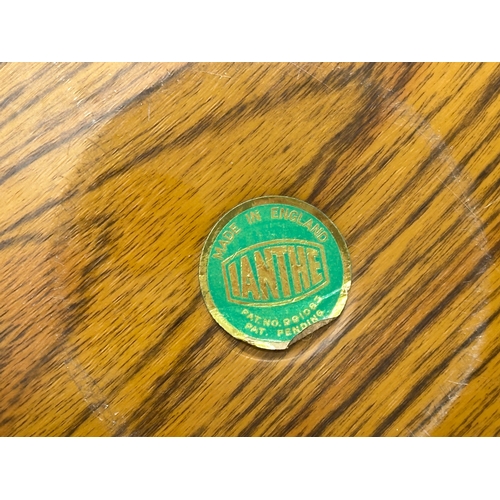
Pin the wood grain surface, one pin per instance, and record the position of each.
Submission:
(111, 177)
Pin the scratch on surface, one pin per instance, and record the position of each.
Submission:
(216, 74)
(463, 384)
(312, 76)
(96, 145)
(464, 202)
(92, 394)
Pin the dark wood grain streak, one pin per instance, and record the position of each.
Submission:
(425, 382)
(77, 131)
(38, 97)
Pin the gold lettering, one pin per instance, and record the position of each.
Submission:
(266, 274)
(229, 236)
(314, 266)
(299, 268)
(316, 230)
(248, 283)
(308, 224)
(218, 253)
(274, 213)
(280, 251)
(233, 279)
(283, 213)
(293, 215)
(253, 216)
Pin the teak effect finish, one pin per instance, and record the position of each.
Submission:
(111, 177)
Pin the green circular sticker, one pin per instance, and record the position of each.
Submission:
(273, 270)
